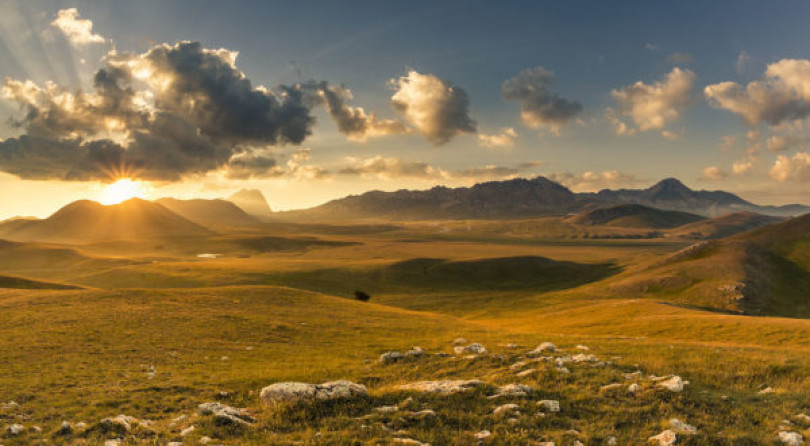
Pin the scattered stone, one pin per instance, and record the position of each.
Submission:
(416, 351)
(546, 443)
(803, 417)
(460, 341)
(205, 440)
(791, 438)
(386, 409)
(187, 431)
(525, 373)
(634, 375)
(120, 425)
(483, 435)
(518, 365)
(681, 427)
(298, 391)
(409, 441)
(506, 409)
(578, 443)
(510, 346)
(612, 441)
(563, 369)
(609, 387)
(226, 415)
(407, 402)
(81, 425)
(549, 405)
(423, 414)
(582, 347)
(224, 358)
(445, 387)
(673, 384)
(665, 438)
(15, 429)
(541, 349)
(475, 349)
(513, 391)
(582, 357)
(11, 405)
(115, 442)
(633, 388)
(392, 356)
(174, 443)
(65, 429)
(765, 391)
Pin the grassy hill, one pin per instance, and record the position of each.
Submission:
(634, 216)
(725, 225)
(15, 282)
(210, 213)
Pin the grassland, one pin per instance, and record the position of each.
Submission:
(158, 331)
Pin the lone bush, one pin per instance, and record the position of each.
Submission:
(361, 296)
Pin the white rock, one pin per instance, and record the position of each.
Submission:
(65, 428)
(634, 375)
(610, 387)
(484, 434)
(475, 349)
(505, 409)
(409, 441)
(525, 373)
(633, 388)
(513, 390)
(115, 442)
(460, 341)
(541, 349)
(612, 441)
(665, 438)
(392, 356)
(205, 440)
(673, 384)
(15, 429)
(804, 418)
(549, 405)
(386, 409)
(765, 391)
(518, 365)
(297, 391)
(791, 438)
(563, 370)
(582, 357)
(582, 347)
(446, 387)
(546, 443)
(226, 415)
(11, 405)
(578, 443)
(187, 431)
(416, 351)
(174, 443)
(681, 427)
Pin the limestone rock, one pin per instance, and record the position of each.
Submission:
(445, 387)
(665, 438)
(297, 391)
(541, 349)
(791, 438)
(681, 427)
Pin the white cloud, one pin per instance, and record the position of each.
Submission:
(713, 173)
(795, 168)
(438, 110)
(387, 168)
(79, 31)
(505, 138)
(743, 59)
(727, 142)
(593, 181)
(743, 166)
(644, 107)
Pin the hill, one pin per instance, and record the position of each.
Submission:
(634, 216)
(672, 194)
(253, 202)
(14, 282)
(85, 220)
(726, 225)
(495, 199)
(211, 213)
(765, 271)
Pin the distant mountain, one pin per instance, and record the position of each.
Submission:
(253, 202)
(84, 220)
(634, 216)
(210, 213)
(726, 225)
(764, 271)
(671, 194)
(513, 198)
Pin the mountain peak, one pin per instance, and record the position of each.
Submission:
(671, 184)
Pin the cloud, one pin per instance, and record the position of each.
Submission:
(650, 46)
(438, 110)
(540, 107)
(173, 111)
(506, 138)
(593, 181)
(743, 59)
(354, 122)
(393, 168)
(680, 58)
(743, 166)
(713, 173)
(263, 166)
(795, 168)
(783, 94)
(727, 142)
(652, 106)
(78, 31)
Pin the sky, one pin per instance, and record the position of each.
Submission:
(311, 101)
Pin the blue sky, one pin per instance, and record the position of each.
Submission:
(593, 49)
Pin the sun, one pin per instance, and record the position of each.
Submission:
(122, 190)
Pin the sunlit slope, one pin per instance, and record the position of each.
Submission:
(15, 282)
(725, 225)
(86, 220)
(634, 216)
(210, 213)
(764, 271)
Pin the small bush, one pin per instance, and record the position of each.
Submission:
(361, 296)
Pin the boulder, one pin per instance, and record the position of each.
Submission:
(673, 383)
(225, 415)
(65, 429)
(633, 388)
(791, 438)
(15, 429)
(482, 435)
(681, 427)
(392, 356)
(549, 405)
(415, 352)
(666, 438)
(292, 392)
(513, 391)
(541, 349)
(506, 409)
(474, 349)
(445, 387)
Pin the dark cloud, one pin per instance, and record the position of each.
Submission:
(540, 106)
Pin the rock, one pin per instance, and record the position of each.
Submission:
(681, 427)
(115, 442)
(634, 375)
(563, 369)
(483, 435)
(765, 391)
(633, 388)
(445, 387)
(460, 341)
(174, 443)
(11, 405)
(386, 409)
(392, 356)
(549, 405)
(582, 357)
(525, 373)
(291, 392)
(609, 387)
(205, 440)
(612, 441)
(804, 418)
(673, 384)
(518, 365)
(506, 409)
(415, 352)
(513, 390)
(65, 429)
(791, 438)
(510, 346)
(226, 415)
(187, 431)
(582, 347)
(475, 349)
(546, 443)
(541, 349)
(120, 425)
(578, 443)
(665, 438)
(409, 441)
(81, 425)
(15, 429)
(423, 414)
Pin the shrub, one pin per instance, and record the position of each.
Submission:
(361, 296)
